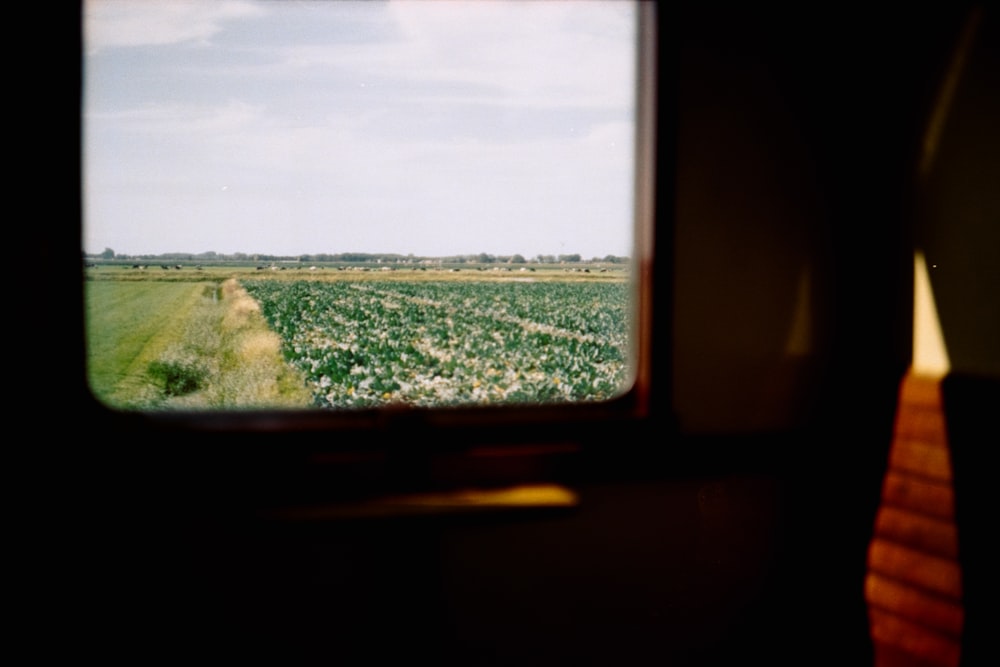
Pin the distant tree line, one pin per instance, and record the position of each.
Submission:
(354, 258)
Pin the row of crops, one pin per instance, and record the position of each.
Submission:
(451, 343)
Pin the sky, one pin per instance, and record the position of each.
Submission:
(425, 127)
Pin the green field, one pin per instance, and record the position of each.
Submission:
(203, 344)
(450, 342)
(241, 337)
(294, 271)
(129, 324)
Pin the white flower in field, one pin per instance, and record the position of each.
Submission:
(325, 382)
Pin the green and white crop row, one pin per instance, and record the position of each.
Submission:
(451, 343)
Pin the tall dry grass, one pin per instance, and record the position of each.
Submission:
(238, 358)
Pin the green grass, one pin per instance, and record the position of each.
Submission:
(193, 339)
(129, 325)
(155, 344)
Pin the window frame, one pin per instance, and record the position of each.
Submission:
(508, 423)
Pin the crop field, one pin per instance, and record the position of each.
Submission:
(352, 339)
(362, 344)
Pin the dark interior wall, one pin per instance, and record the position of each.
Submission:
(798, 140)
(751, 234)
(958, 205)
(958, 229)
(640, 572)
(798, 134)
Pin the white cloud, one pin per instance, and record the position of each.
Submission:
(320, 133)
(532, 54)
(180, 120)
(123, 23)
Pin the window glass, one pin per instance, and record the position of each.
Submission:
(354, 204)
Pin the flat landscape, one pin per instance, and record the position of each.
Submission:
(129, 325)
(233, 337)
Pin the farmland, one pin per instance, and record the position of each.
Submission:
(358, 339)
(195, 345)
(440, 343)
(128, 326)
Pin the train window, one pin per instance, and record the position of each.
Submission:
(355, 205)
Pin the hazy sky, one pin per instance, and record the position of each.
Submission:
(432, 127)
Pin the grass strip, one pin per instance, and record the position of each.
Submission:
(184, 345)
